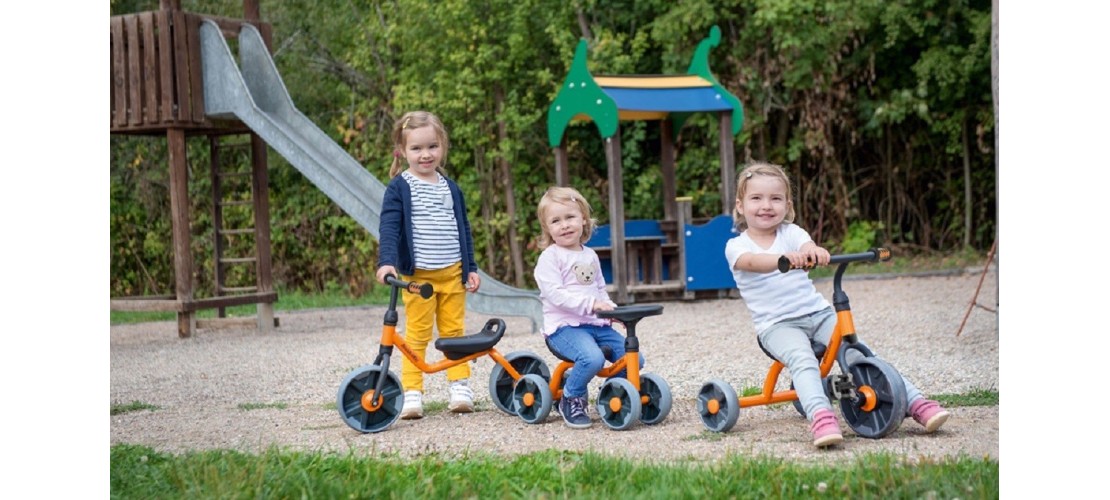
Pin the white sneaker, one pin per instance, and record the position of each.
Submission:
(414, 406)
(462, 398)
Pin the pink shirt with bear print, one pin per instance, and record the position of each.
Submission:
(570, 281)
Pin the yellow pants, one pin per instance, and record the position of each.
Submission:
(445, 309)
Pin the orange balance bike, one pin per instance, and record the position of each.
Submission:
(621, 401)
(370, 397)
(871, 393)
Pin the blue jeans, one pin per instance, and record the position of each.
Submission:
(582, 344)
(789, 342)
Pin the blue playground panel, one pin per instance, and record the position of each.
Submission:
(706, 267)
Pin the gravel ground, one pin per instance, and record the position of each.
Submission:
(198, 384)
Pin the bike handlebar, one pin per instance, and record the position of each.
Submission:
(424, 289)
(872, 255)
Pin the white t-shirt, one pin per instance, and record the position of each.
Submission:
(774, 296)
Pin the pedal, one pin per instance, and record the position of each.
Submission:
(840, 386)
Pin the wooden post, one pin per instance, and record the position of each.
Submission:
(562, 177)
(179, 217)
(217, 219)
(728, 163)
(616, 215)
(666, 167)
(260, 192)
(685, 213)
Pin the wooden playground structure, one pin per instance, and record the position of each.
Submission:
(672, 258)
(157, 90)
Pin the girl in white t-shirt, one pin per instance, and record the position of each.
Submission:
(788, 311)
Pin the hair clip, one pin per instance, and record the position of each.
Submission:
(397, 153)
(749, 176)
(573, 200)
(406, 123)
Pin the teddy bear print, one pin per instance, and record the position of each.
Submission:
(584, 273)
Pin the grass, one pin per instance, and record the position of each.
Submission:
(141, 472)
(121, 408)
(262, 406)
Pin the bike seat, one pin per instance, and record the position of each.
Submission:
(633, 313)
(461, 347)
(605, 351)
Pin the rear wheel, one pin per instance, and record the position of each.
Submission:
(501, 382)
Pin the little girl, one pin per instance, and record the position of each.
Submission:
(425, 234)
(572, 290)
(787, 309)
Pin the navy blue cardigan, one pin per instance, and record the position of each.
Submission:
(396, 247)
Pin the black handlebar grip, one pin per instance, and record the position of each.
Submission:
(784, 264)
(424, 289)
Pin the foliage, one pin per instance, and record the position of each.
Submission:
(141, 472)
(881, 112)
(121, 408)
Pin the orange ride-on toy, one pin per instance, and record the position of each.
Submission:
(370, 397)
(871, 393)
(621, 402)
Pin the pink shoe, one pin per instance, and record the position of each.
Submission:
(826, 430)
(929, 414)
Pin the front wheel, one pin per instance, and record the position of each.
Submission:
(880, 402)
(718, 405)
(501, 383)
(361, 407)
(655, 398)
(532, 398)
(618, 404)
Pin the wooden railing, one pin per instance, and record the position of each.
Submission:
(156, 70)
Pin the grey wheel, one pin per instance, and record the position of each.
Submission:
(658, 395)
(361, 408)
(880, 403)
(718, 405)
(618, 404)
(532, 398)
(501, 383)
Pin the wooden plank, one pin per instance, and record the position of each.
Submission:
(728, 163)
(119, 74)
(134, 73)
(150, 67)
(196, 75)
(180, 67)
(179, 218)
(616, 214)
(230, 300)
(145, 305)
(165, 66)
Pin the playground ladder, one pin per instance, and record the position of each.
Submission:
(231, 187)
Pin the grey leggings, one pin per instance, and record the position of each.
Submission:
(789, 342)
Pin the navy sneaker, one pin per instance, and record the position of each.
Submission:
(573, 411)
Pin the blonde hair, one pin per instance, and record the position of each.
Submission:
(761, 168)
(414, 120)
(565, 196)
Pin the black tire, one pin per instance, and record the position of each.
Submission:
(618, 404)
(532, 398)
(658, 394)
(718, 406)
(360, 384)
(881, 405)
(501, 383)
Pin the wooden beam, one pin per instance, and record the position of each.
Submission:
(562, 178)
(260, 193)
(179, 218)
(616, 215)
(666, 169)
(728, 163)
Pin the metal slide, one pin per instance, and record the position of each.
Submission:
(256, 95)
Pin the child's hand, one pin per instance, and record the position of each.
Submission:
(385, 271)
(473, 281)
(601, 305)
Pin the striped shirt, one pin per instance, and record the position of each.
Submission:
(435, 232)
